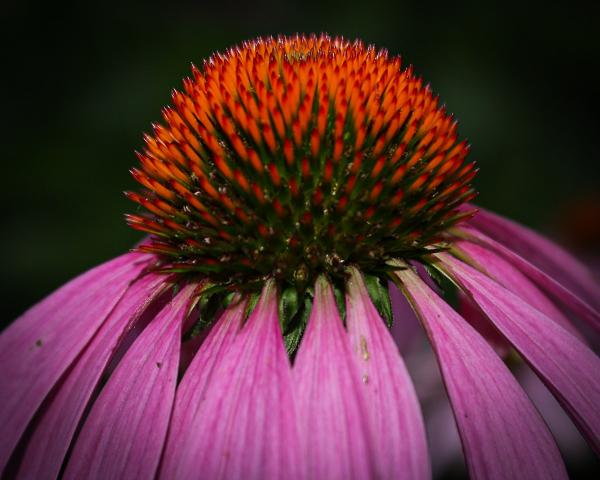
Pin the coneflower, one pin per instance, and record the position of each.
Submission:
(248, 335)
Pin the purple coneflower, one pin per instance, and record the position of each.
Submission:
(248, 336)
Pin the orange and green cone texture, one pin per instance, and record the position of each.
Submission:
(291, 157)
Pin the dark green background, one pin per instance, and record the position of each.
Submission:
(82, 82)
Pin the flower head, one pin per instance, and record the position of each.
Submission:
(294, 182)
(292, 157)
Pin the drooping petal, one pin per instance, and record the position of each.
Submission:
(503, 435)
(247, 424)
(399, 428)
(40, 345)
(550, 285)
(183, 440)
(469, 310)
(512, 279)
(567, 366)
(335, 426)
(124, 434)
(53, 432)
(541, 252)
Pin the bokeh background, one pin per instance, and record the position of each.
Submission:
(81, 82)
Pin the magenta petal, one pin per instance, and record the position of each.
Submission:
(54, 431)
(41, 344)
(183, 430)
(245, 425)
(335, 425)
(125, 431)
(558, 291)
(512, 279)
(544, 254)
(503, 435)
(568, 367)
(390, 394)
(469, 311)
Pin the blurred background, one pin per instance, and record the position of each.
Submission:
(82, 82)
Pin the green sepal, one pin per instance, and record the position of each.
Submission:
(209, 305)
(207, 308)
(448, 288)
(288, 306)
(253, 299)
(212, 300)
(295, 325)
(380, 296)
(228, 299)
(292, 339)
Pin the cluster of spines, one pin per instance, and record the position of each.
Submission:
(295, 155)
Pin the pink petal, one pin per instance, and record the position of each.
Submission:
(512, 279)
(568, 367)
(503, 436)
(558, 291)
(41, 344)
(125, 431)
(183, 438)
(399, 428)
(541, 252)
(335, 424)
(247, 424)
(54, 430)
(469, 310)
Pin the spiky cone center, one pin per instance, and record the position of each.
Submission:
(293, 157)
